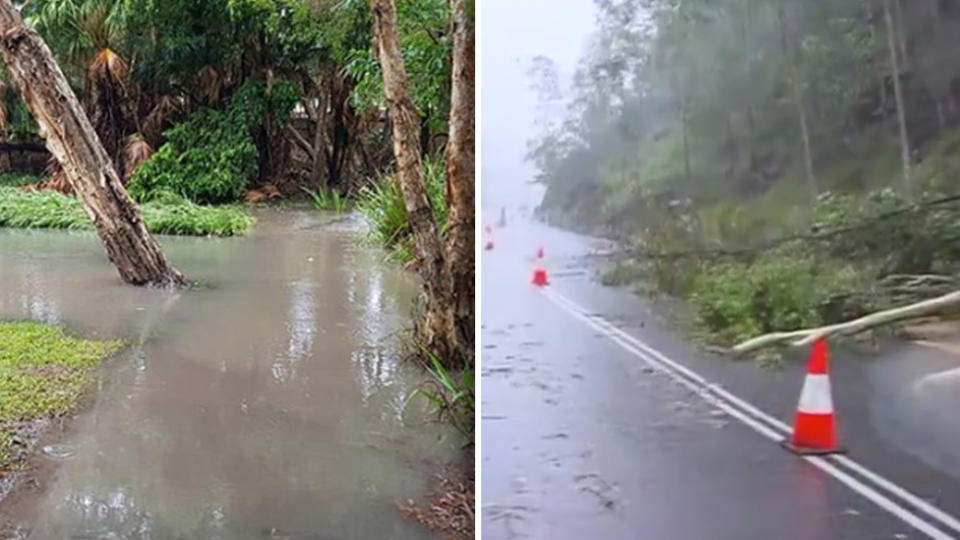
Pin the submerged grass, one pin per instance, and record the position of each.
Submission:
(43, 374)
(52, 210)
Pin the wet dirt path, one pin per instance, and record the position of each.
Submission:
(269, 403)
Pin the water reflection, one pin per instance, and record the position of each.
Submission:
(34, 301)
(302, 330)
(268, 404)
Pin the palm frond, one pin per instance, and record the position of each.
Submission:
(136, 150)
(108, 67)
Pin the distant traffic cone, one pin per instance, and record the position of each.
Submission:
(814, 430)
(540, 271)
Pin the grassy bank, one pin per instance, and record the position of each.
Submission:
(43, 374)
(52, 210)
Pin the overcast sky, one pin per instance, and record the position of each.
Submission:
(512, 32)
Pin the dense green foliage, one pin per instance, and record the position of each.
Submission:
(142, 67)
(783, 292)
(383, 207)
(426, 54)
(701, 132)
(171, 215)
(212, 157)
(43, 373)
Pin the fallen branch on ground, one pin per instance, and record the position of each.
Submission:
(799, 338)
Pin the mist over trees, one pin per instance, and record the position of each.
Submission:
(708, 99)
(780, 164)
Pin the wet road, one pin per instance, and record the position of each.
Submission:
(598, 421)
(269, 403)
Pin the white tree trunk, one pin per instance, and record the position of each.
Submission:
(898, 96)
(807, 336)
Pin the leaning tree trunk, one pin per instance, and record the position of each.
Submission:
(72, 140)
(460, 179)
(434, 327)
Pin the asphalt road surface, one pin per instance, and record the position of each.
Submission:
(598, 421)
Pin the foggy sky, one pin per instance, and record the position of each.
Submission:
(512, 32)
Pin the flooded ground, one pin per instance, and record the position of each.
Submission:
(267, 404)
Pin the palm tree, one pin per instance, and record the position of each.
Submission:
(86, 35)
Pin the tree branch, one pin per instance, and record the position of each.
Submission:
(799, 338)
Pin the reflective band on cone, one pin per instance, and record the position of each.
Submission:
(814, 429)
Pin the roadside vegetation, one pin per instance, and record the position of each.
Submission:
(44, 373)
(780, 166)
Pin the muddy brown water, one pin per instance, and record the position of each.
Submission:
(269, 403)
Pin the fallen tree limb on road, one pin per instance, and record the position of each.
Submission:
(799, 338)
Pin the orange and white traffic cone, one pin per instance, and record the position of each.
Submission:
(540, 278)
(815, 430)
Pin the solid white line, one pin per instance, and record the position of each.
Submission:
(930, 509)
(910, 498)
(698, 384)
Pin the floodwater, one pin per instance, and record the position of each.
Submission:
(268, 403)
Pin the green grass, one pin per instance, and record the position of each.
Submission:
(190, 219)
(452, 397)
(43, 373)
(18, 178)
(327, 199)
(52, 210)
(383, 207)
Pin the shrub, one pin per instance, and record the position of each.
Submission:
(737, 301)
(383, 207)
(211, 157)
(782, 291)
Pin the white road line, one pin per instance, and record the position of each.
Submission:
(722, 399)
(882, 482)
